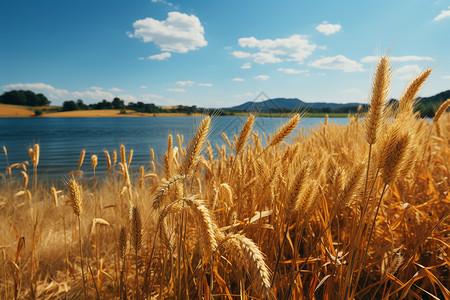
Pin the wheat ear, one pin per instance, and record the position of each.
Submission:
(94, 162)
(37, 152)
(208, 227)
(244, 134)
(284, 131)
(108, 159)
(443, 108)
(407, 100)
(81, 159)
(380, 92)
(75, 197)
(123, 157)
(76, 202)
(393, 153)
(246, 251)
(196, 146)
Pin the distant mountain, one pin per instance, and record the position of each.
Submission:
(427, 105)
(436, 99)
(287, 104)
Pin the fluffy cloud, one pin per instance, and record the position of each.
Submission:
(266, 57)
(338, 62)
(406, 58)
(295, 48)
(143, 87)
(161, 56)
(351, 91)
(150, 97)
(117, 90)
(241, 54)
(246, 66)
(262, 77)
(408, 71)
(205, 84)
(238, 79)
(178, 33)
(176, 90)
(94, 93)
(128, 98)
(185, 83)
(442, 15)
(327, 28)
(446, 77)
(292, 71)
(165, 2)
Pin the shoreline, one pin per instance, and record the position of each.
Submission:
(16, 111)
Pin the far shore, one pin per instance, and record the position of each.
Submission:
(16, 111)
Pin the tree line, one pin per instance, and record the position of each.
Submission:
(29, 98)
(117, 103)
(24, 97)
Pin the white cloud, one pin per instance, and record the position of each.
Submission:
(266, 57)
(150, 98)
(296, 48)
(178, 33)
(143, 87)
(406, 58)
(241, 54)
(408, 71)
(176, 90)
(351, 91)
(442, 15)
(446, 77)
(205, 84)
(127, 98)
(96, 88)
(114, 89)
(161, 56)
(165, 2)
(141, 58)
(262, 77)
(246, 66)
(90, 96)
(57, 96)
(238, 79)
(338, 62)
(327, 28)
(185, 83)
(292, 71)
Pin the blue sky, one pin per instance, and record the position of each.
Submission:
(219, 53)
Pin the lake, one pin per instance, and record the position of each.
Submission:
(61, 140)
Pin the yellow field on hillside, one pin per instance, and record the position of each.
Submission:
(7, 110)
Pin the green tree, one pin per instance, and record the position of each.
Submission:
(69, 105)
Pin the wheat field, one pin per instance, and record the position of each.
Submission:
(337, 212)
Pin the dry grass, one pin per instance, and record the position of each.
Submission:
(322, 214)
(14, 111)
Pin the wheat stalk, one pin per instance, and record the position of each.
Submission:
(442, 109)
(380, 92)
(246, 251)
(408, 98)
(284, 131)
(196, 146)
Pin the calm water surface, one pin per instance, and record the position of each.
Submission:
(62, 139)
